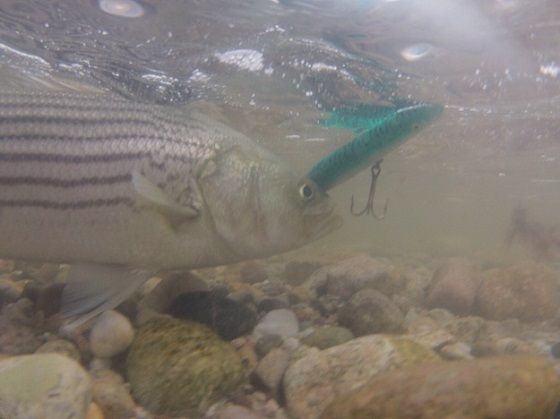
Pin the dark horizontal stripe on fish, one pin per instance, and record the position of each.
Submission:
(70, 159)
(54, 109)
(110, 202)
(69, 121)
(82, 137)
(93, 158)
(65, 183)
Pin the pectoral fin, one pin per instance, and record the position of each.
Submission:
(92, 289)
(154, 194)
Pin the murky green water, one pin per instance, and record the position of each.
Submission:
(272, 69)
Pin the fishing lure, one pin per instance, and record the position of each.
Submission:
(385, 129)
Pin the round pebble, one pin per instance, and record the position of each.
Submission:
(111, 334)
(281, 322)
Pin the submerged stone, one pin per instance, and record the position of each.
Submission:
(327, 336)
(316, 378)
(506, 387)
(454, 286)
(60, 346)
(526, 292)
(111, 334)
(178, 367)
(43, 386)
(229, 318)
(280, 322)
(368, 311)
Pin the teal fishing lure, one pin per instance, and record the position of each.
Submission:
(357, 117)
(385, 129)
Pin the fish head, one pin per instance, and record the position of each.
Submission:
(260, 206)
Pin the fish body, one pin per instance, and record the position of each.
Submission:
(93, 179)
(386, 129)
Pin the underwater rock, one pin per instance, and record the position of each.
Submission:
(468, 329)
(273, 287)
(525, 292)
(248, 356)
(112, 396)
(15, 338)
(60, 346)
(268, 374)
(178, 367)
(313, 381)
(433, 339)
(94, 412)
(281, 322)
(327, 337)
(161, 297)
(266, 343)
(417, 282)
(252, 272)
(456, 351)
(297, 271)
(227, 317)
(43, 386)
(111, 334)
(238, 412)
(454, 286)
(505, 387)
(267, 304)
(368, 311)
(49, 299)
(349, 276)
(10, 291)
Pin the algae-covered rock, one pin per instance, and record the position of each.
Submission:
(317, 378)
(327, 336)
(179, 367)
(508, 387)
(43, 386)
(369, 311)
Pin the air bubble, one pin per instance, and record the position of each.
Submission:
(122, 8)
(416, 52)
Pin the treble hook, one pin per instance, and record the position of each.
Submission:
(375, 171)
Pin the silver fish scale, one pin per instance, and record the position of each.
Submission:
(80, 149)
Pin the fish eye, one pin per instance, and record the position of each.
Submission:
(306, 192)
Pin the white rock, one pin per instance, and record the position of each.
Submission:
(45, 386)
(111, 334)
(281, 322)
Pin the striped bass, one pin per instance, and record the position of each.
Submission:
(121, 189)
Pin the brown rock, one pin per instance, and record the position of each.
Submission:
(297, 271)
(454, 286)
(112, 396)
(315, 379)
(368, 311)
(17, 339)
(253, 272)
(352, 275)
(508, 387)
(526, 292)
(268, 374)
